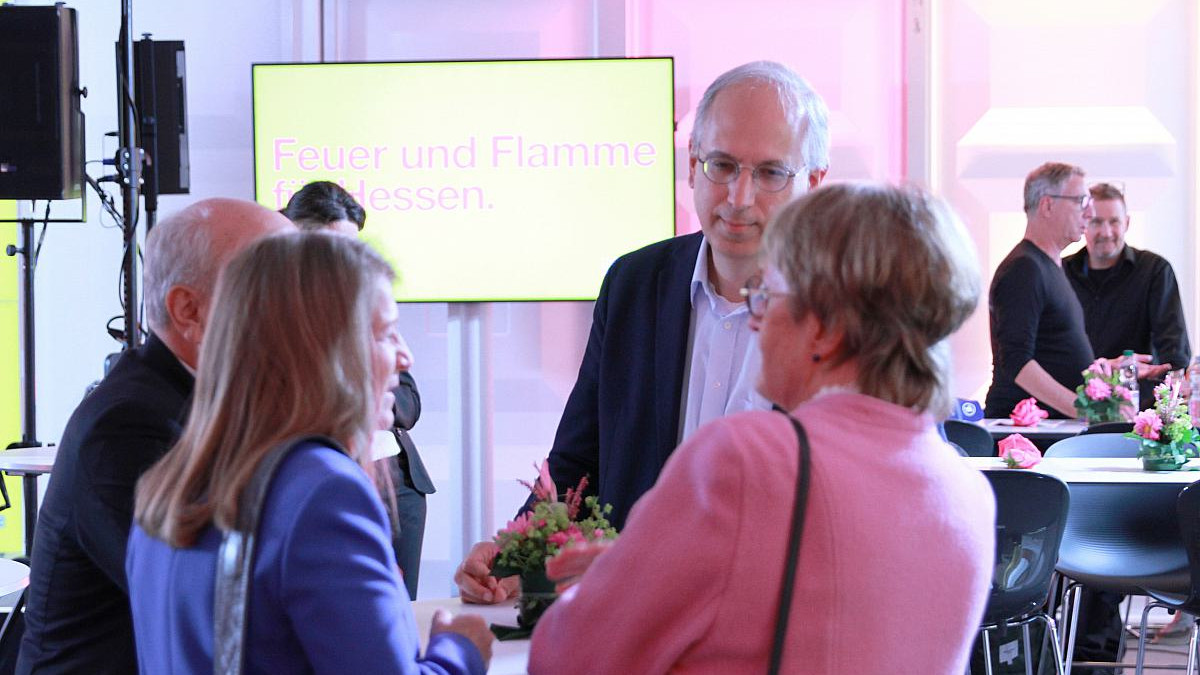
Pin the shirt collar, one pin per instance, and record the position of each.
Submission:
(1127, 256)
(702, 288)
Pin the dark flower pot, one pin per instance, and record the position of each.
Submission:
(537, 594)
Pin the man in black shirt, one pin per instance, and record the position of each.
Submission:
(1039, 346)
(1130, 298)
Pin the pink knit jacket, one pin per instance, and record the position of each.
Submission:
(894, 570)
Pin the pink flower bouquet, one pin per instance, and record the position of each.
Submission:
(1027, 413)
(539, 533)
(549, 526)
(1165, 432)
(1019, 452)
(1101, 398)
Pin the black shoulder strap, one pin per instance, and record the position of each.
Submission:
(797, 532)
(235, 561)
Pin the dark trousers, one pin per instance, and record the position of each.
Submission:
(409, 533)
(1100, 629)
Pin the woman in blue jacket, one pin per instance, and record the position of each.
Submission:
(301, 352)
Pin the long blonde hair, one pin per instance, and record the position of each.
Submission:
(287, 352)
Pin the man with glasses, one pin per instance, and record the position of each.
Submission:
(670, 346)
(1130, 297)
(1039, 346)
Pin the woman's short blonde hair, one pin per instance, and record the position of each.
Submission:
(890, 267)
(286, 352)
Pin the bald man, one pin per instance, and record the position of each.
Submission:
(77, 612)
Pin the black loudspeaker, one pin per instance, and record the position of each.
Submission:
(161, 96)
(41, 124)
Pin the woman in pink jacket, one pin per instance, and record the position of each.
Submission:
(862, 285)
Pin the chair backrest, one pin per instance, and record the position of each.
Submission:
(1094, 445)
(1124, 537)
(1108, 428)
(972, 438)
(1188, 511)
(1031, 514)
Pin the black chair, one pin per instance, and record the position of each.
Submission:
(972, 438)
(1094, 445)
(1108, 428)
(1184, 597)
(1122, 538)
(1031, 514)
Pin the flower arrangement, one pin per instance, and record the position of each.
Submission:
(1165, 432)
(1027, 413)
(1019, 452)
(1101, 397)
(537, 534)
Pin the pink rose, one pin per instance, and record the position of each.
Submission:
(1123, 393)
(1148, 424)
(1018, 452)
(1098, 390)
(570, 535)
(1027, 413)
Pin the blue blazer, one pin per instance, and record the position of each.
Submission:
(621, 421)
(325, 596)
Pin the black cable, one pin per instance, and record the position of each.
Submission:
(37, 251)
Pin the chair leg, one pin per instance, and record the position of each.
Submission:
(987, 653)
(1142, 629)
(1073, 593)
(1051, 630)
(1028, 649)
(1191, 667)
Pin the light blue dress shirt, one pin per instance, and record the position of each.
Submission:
(723, 357)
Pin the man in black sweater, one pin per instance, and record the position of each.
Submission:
(77, 615)
(1039, 346)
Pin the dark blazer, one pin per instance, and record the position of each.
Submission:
(621, 421)
(406, 411)
(411, 482)
(77, 615)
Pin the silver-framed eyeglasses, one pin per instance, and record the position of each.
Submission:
(758, 296)
(1082, 201)
(769, 177)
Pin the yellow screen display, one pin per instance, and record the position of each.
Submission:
(482, 181)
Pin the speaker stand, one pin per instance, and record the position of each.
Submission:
(27, 252)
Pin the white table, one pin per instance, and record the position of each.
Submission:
(1097, 470)
(29, 463)
(1055, 429)
(508, 658)
(13, 576)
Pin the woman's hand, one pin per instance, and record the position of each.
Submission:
(470, 626)
(569, 564)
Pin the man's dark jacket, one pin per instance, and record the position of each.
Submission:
(77, 615)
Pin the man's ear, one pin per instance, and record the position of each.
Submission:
(185, 307)
(691, 165)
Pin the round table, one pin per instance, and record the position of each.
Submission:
(13, 576)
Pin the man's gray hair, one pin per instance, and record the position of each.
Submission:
(179, 252)
(1047, 179)
(803, 106)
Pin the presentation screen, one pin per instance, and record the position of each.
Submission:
(482, 180)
